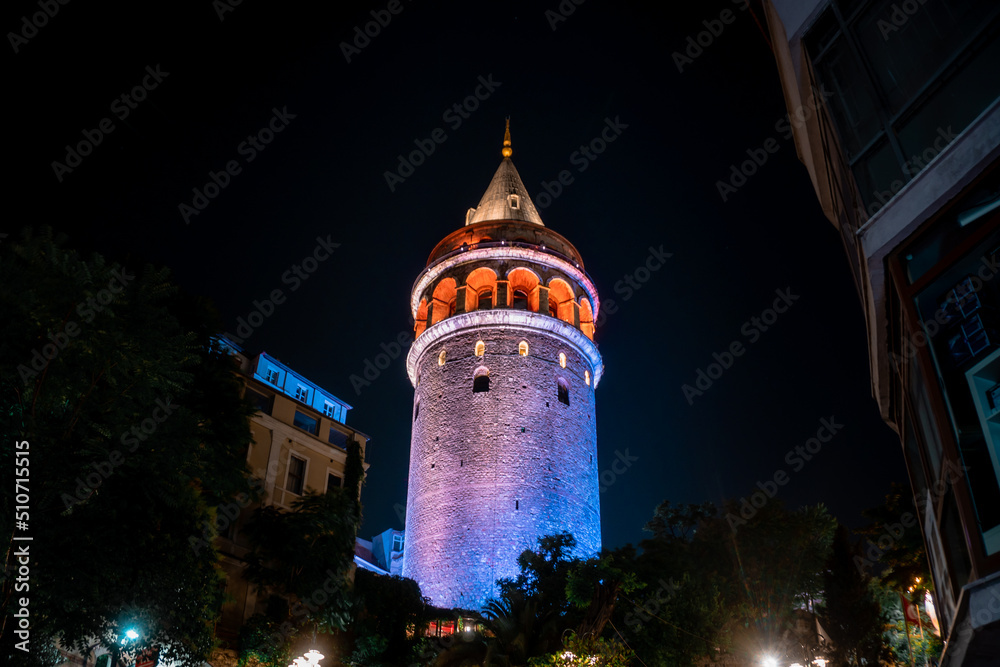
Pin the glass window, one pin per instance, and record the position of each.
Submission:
(296, 475)
(337, 438)
(520, 299)
(302, 394)
(306, 423)
(334, 481)
(262, 402)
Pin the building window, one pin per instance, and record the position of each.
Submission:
(302, 394)
(334, 481)
(337, 438)
(481, 381)
(522, 348)
(485, 299)
(306, 423)
(441, 358)
(563, 391)
(586, 377)
(520, 299)
(296, 475)
(553, 307)
(562, 360)
(514, 201)
(328, 409)
(397, 542)
(416, 411)
(480, 348)
(899, 92)
(262, 402)
(272, 375)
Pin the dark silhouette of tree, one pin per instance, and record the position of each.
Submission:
(851, 612)
(136, 433)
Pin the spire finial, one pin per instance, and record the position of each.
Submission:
(507, 150)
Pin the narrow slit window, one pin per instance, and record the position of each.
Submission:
(480, 348)
(522, 348)
(562, 360)
(563, 391)
(481, 380)
(586, 377)
(441, 358)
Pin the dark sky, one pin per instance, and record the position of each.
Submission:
(323, 175)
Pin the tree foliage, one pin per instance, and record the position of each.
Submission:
(136, 431)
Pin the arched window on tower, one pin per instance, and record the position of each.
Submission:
(562, 360)
(553, 306)
(522, 348)
(563, 391)
(441, 358)
(520, 299)
(481, 380)
(480, 348)
(485, 299)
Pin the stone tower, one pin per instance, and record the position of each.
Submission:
(504, 367)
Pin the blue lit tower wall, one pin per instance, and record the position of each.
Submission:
(504, 367)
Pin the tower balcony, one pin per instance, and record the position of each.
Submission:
(505, 274)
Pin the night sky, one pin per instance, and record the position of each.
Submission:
(213, 82)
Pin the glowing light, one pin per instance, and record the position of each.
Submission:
(480, 348)
(310, 659)
(769, 661)
(586, 377)
(441, 358)
(522, 348)
(820, 662)
(562, 359)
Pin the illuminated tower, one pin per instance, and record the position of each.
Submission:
(504, 367)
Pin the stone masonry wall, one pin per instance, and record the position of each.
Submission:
(491, 472)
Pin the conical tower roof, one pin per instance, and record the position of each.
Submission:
(506, 198)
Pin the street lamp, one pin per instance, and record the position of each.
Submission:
(310, 659)
(769, 661)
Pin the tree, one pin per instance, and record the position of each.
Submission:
(385, 607)
(850, 611)
(306, 554)
(135, 432)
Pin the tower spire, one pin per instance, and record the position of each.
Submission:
(507, 150)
